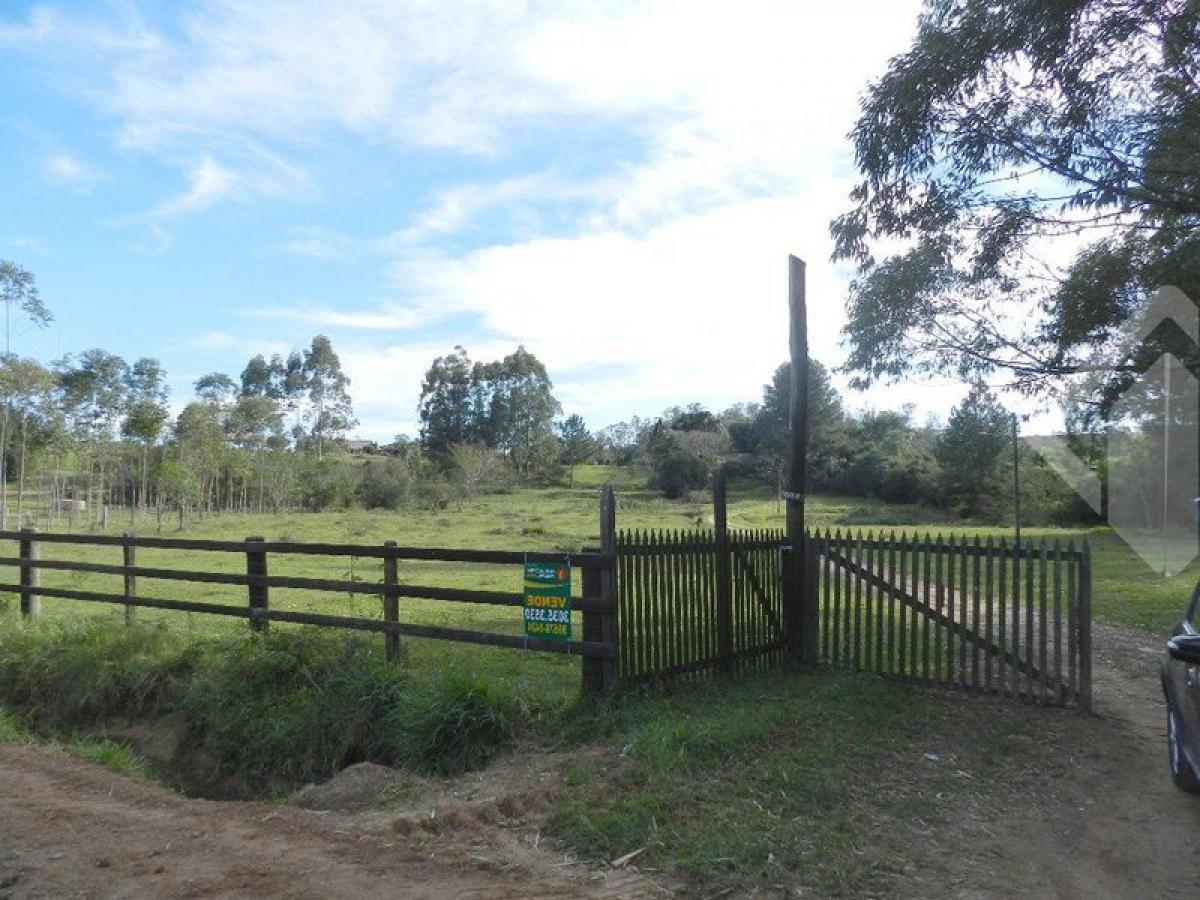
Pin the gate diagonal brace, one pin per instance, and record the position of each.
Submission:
(940, 618)
(759, 593)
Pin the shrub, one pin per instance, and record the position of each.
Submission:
(385, 484)
(328, 484)
(452, 725)
(679, 471)
(296, 706)
(66, 677)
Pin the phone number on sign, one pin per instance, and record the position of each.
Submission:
(547, 628)
(535, 614)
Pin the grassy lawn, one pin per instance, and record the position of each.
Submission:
(821, 784)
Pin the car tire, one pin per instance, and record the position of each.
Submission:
(1181, 770)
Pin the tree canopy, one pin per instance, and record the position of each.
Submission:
(1009, 133)
(970, 447)
(506, 405)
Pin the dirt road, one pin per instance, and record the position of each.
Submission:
(1119, 829)
(73, 829)
(1112, 827)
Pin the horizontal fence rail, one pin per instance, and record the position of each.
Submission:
(598, 604)
(691, 602)
(959, 612)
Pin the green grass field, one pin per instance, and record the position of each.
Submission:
(561, 519)
(734, 782)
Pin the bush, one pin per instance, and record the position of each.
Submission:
(295, 707)
(328, 484)
(679, 471)
(386, 484)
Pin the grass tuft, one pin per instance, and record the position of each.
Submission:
(119, 757)
(452, 725)
(10, 729)
(66, 676)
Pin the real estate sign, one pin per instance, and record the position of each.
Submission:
(548, 601)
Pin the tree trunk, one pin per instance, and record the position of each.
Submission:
(4, 468)
(21, 478)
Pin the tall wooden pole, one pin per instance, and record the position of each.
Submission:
(724, 570)
(801, 623)
(1016, 448)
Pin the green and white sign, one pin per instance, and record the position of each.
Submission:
(548, 601)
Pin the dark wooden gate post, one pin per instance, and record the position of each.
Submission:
(1085, 626)
(800, 608)
(256, 568)
(599, 673)
(129, 559)
(31, 603)
(723, 571)
(391, 602)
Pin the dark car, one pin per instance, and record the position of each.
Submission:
(1181, 684)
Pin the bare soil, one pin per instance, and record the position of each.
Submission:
(1092, 814)
(1114, 825)
(69, 828)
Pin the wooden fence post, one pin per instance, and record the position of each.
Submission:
(1085, 626)
(600, 674)
(31, 603)
(128, 558)
(724, 572)
(256, 568)
(391, 603)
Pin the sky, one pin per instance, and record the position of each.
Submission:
(617, 186)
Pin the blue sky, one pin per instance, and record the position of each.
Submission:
(615, 185)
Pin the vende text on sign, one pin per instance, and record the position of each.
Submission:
(547, 610)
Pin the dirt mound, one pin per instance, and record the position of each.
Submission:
(361, 787)
(519, 782)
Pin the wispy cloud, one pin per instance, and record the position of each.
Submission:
(65, 170)
(321, 317)
(634, 214)
(208, 182)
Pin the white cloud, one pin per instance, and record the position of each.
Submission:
(208, 182)
(65, 170)
(382, 320)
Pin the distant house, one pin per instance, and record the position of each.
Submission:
(361, 448)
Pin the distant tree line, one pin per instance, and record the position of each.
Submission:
(963, 467)
(92, 431)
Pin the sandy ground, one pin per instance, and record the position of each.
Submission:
(1115, 828)
(71, 829)
(1120, 829)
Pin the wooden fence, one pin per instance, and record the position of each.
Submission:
(985, 616)
(958, 612)
(597, 604)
